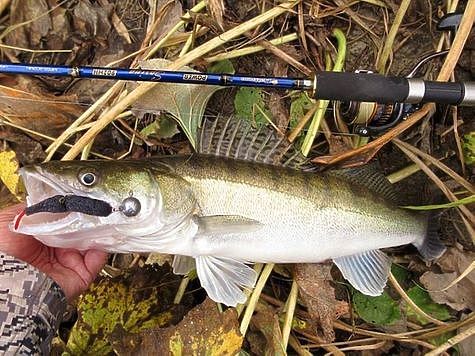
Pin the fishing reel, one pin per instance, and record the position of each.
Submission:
(372, 119)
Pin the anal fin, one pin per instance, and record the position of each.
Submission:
(366, 271)
(224, 278)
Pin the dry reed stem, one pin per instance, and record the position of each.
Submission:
(7, 122)
(252, 302)
(4, 4)
(459, 42)
(106, 118)
(459, 179)
(401, 12)
(250, 49)
(452, 341)
(289, 315)
(441, 185)
(409, 301)
(285, 57)
(2, 45)
(85, 116)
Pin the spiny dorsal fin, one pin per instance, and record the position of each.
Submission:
(236, 138)
(371, 178)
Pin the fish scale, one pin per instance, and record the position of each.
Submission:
(295, 208)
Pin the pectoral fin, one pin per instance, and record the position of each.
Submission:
(223, 278)
(226, 224)
(366, 271)
(183, 264)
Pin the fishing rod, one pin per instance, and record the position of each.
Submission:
(339, 86)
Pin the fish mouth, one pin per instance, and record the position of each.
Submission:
(39, 186)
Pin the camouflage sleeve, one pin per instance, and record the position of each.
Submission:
(31, 308)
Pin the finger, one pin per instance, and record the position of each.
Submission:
(7, 215)
(94, 261)
(21, 246)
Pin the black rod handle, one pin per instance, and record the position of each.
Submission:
(345, 86)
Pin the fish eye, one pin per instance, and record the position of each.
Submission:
(87, 178)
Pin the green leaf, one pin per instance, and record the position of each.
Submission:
(300, 104)
(381, 310)
(423, 300)
(161, 127)
(468, 145)
(249, 104)
(463, 201)
(224, 66)
(401, 274)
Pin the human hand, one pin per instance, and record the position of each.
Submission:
(73, 270)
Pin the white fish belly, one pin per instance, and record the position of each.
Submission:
(294, 229)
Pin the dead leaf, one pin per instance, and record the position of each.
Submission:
(37, 110)
(141, 300)
(467, 346)
(9, 173)
(453, 263)
(185, 102)
(266, 322)
(6, 197)
(27, 151)
(204, 330)
(317, 293)
(216, 9)
(166, 15)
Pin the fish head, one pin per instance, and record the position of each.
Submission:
(134, 190)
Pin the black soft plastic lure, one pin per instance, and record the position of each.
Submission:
(71, 203)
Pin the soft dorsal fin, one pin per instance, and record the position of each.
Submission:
(371, 178)
(236, 138)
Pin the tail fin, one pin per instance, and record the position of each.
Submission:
(430, 246)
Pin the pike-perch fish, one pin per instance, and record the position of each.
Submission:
(245, 196)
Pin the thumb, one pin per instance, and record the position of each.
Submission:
(94, 260)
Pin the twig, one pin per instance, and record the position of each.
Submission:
(85, 116)
(285, 57)
(460, 39)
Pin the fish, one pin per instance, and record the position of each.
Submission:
(245, 196)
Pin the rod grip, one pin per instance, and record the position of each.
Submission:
(345, 86)
(378, 88)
